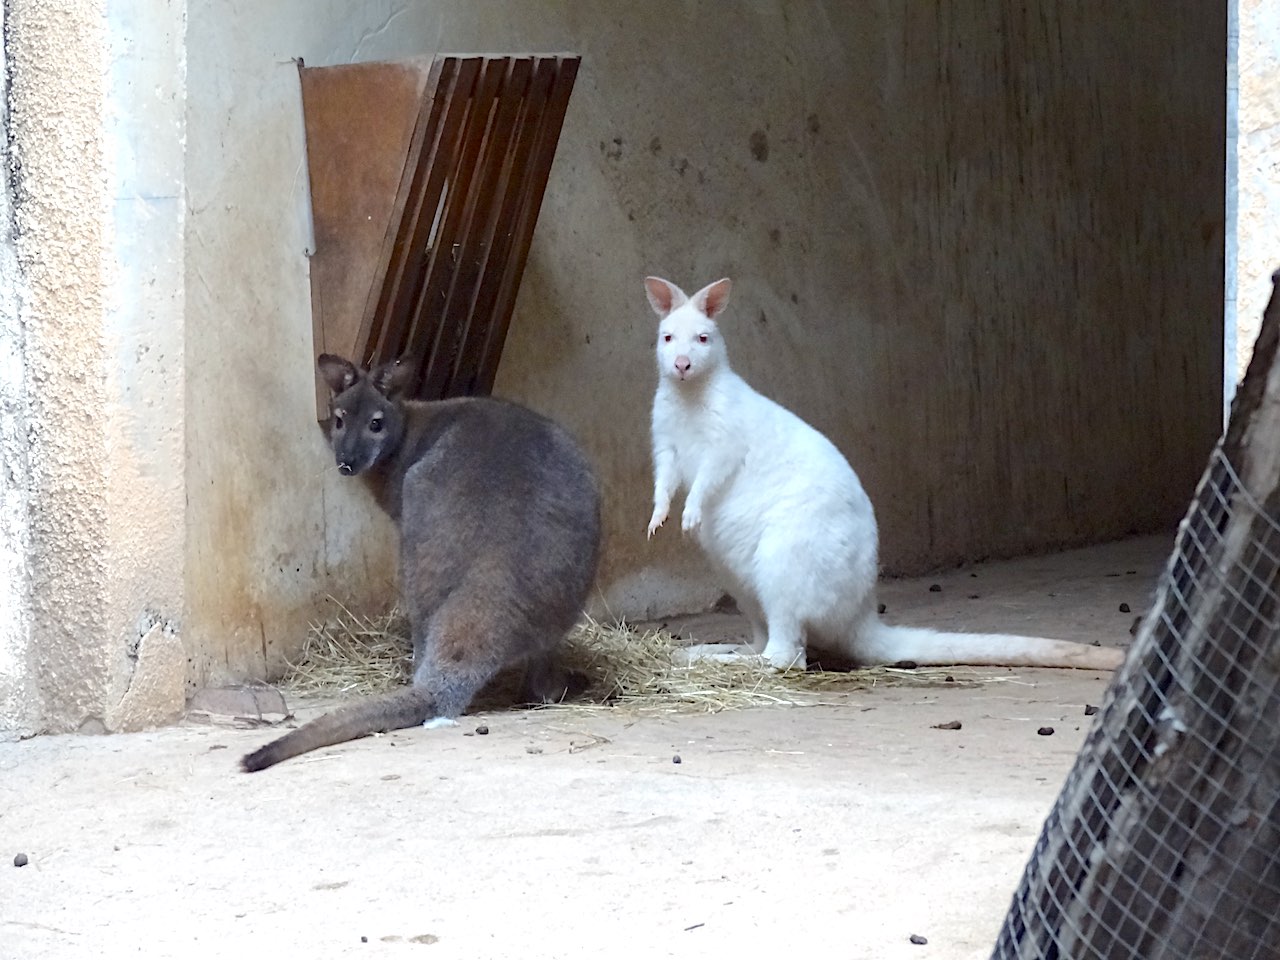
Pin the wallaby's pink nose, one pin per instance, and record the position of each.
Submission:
(682, 365)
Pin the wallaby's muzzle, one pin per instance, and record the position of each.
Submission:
(345, 469)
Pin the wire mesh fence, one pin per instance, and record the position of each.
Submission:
(1165, 840)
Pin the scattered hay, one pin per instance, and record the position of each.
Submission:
(351, 655)
(622, 666)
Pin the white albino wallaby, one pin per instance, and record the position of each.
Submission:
(779, 510)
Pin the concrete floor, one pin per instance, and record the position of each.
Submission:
(822, 831)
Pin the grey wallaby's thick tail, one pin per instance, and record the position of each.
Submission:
(880, 642)
(404, 708)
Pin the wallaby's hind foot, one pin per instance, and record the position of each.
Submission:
(783, 660)
(784, 647)
(693, 653)
(545, 681)
(435, 723)
(737, 653)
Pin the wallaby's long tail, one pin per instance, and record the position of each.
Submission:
(404, 708)
(880, 642)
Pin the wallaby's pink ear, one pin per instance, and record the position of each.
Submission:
(713, 298)
(339, 374)
(392, 378)
(664, 296)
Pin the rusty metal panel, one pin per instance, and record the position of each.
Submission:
(359, 120)
(452, 236)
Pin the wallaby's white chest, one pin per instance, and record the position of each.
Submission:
(692, 434)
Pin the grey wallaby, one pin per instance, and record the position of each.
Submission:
(499, 517)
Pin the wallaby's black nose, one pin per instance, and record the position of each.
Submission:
(345, 469)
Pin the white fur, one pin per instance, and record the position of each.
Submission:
(435, 723)
(781, 513)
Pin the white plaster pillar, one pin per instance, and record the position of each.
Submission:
(97, 122)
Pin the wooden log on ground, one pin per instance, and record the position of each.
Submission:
(1165, 840)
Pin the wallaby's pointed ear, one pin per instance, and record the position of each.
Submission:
(713, 298)
(664, 296)
(339, 374)
(392, 378)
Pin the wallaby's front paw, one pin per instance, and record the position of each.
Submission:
(691, 520)
(658, 519)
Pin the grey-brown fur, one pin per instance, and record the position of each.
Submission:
(499, 519)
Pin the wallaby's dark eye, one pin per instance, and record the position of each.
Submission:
(375, 425)
(337, 421)
(666, 338)
(703, 338)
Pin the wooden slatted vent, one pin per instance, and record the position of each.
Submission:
(426, 181)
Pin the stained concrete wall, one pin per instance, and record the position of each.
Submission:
(985, 266)
(95, 128)
(980, 247)
(1257, 158)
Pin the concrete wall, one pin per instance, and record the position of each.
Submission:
(96, 133)
(982, 249)
(989, 268)
(1257, 157)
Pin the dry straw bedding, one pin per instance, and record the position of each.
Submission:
(622, 666)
